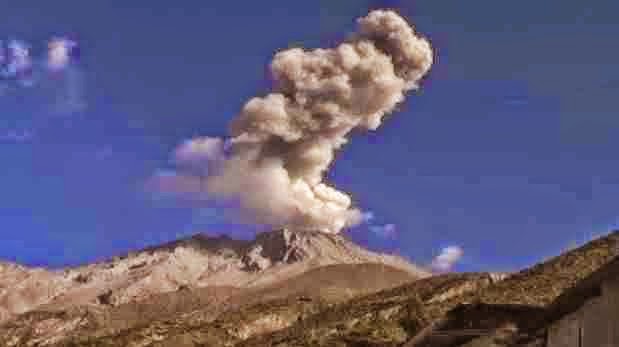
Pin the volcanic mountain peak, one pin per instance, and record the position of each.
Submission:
(197, 261)
(289, 246)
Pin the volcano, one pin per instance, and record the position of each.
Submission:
(217, 270)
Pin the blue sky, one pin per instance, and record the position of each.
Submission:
(507, 151)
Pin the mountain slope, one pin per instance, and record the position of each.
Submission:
(391, 317)
(337, 304)
(201, 274)
(199, 261)
(231, 315)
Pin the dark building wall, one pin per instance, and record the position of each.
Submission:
(610, 290)
(594, 324)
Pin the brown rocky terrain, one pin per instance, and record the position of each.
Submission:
(211, 274)
(353, 303)
(200, 261)
(453, 303)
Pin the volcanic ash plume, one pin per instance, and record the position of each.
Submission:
(282, 144)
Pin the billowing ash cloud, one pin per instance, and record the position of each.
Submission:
(171, 182)
(282, 144)
(199, 152)
(448, 257)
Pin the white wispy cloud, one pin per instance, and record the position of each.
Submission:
(367, 216)
(448, 257)
(386, 230)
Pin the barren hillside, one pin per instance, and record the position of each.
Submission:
(210, 274)
(351, 303)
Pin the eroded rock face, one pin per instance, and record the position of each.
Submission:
(22, 288)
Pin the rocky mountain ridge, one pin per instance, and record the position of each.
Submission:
(196, 262)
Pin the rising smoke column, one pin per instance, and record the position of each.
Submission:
(282, 144)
